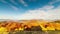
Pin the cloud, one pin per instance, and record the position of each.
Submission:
(23, 2)
(54, 1)
(6, 17)
(15, 8)
(32, 0)
(13, 1)
(46, 12)
(47, 7)
(3, 1)
(40, 13)
(10, 5)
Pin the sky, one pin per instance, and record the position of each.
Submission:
(30, 9)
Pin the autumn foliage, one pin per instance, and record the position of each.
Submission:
(31, 25)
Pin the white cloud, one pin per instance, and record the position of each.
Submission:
(6, 17)
(14, 7)
(10, 5)
(46, 12)
(23, 2)
(13, 1)
(54, 1)
(42, 14)
(48, 7)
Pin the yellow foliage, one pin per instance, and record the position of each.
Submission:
(16, 29)
(43, 28)
(3, 29)
(4, 32)
(57, 26)
(48, 27)
(21, 29)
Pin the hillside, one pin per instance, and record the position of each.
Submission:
(32, 25)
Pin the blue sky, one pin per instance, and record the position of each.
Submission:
(29, 9)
